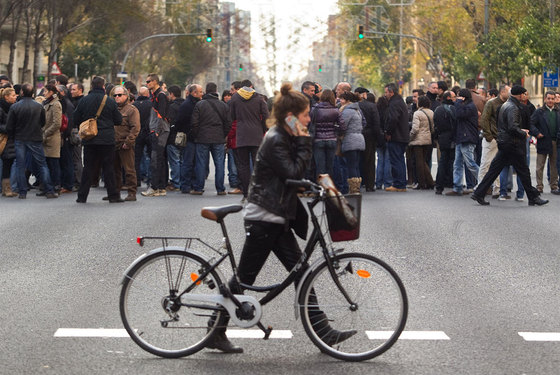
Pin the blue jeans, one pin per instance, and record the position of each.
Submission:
(339, 175)
(37, 155)
(232, 170)
(398, 166)
(464, 155)
(383, 171)
(175, 159)
(323, 154)
(506, 177)
(203, 151)
(352, 163)
(187, 167)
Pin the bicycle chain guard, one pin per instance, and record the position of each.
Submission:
(229, 305)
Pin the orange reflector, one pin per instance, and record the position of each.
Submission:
(194, 276)
(363, 273)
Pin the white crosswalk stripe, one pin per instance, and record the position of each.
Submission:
(540, 336)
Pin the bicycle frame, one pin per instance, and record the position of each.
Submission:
(272, 290)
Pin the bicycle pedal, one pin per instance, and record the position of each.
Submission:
(267, 331)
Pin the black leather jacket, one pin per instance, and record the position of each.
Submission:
(280, 157)
(510, 124)
(25, 120)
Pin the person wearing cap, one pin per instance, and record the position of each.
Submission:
(511, 150)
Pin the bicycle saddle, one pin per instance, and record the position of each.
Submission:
(218, 213)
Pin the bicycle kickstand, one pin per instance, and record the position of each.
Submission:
(266, 331)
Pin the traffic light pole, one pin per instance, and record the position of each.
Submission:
(151, 37)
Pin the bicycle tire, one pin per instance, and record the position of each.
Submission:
(145, 293)
(378, 318)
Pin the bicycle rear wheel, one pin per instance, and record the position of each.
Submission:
(371, 322)
(153, 314)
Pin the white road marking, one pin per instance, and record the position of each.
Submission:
(408, 335)
(90, 332)
(540, 336)
(257, 334)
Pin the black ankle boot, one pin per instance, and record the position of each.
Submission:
(329, 335)
(222, 343)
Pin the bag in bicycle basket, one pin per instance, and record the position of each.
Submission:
(343, 216)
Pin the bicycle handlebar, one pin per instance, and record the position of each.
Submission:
(303, 183)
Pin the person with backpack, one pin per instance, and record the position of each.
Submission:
(159, 132)
(444, 126)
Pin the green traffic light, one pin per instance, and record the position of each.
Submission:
(208, 39)
(361, 36)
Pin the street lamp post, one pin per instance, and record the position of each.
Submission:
(151, 37)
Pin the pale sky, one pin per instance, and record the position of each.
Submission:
(290, 15)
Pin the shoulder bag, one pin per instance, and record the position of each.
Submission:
(3, 141)
(88, 128)
(432, 130)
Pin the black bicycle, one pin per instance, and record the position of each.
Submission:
(174, 297)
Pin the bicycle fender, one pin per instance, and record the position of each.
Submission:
(311, 268)
(229, 305)
(168, 248)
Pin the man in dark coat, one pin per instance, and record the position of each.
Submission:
(511, 150)
(249, 109)
(211, 123)
(183, 124)
(99, 150)
(24, 123)
(372, 134)
(545, 123)
(444, 126)
(397, 136)
(466, 139)
(144, 106)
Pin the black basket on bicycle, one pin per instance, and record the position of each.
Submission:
(343, 216)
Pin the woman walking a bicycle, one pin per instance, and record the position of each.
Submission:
(273, 209)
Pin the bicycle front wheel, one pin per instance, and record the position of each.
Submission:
(364, 323)
(154, 315)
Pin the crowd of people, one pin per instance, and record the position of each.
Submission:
(154, 135)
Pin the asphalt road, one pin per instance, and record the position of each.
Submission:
(477, 276)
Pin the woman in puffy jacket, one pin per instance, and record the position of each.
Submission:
(7, 98)
(421, 142)
(353, 143)
(327, 122)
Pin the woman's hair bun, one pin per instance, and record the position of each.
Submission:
(286, 88)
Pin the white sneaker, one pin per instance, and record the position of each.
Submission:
(502, 198)
(150, 193)
(519, 199)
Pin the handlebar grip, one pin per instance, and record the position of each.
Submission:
(301, 183)
(297, 183)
